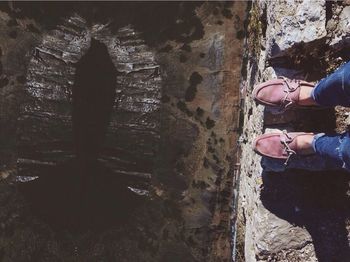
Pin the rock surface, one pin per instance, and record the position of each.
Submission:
(291, 22)
(163, 186)
(295, 214)
(130, 141)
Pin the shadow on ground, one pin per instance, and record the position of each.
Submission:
(317, 201)
(97, 200)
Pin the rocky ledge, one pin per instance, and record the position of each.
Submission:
(300, 213)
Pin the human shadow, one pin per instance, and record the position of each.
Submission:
(82, 192)
(93, 100)
(317, 201)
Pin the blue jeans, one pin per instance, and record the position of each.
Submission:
(332, 91)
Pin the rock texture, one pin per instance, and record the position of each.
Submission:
(162, 188)
(293, 22)
(293, 214)
(45, 122)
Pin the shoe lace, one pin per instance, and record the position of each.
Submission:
(286, 139)
(286, 101)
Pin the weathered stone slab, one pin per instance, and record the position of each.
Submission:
(45, 123)
(291, 22)
(339, 27)
(272, 233)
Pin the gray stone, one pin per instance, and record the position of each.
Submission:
(272, 233)
(340, 28)
(291, 22)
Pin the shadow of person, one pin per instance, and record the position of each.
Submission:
(82, 192)
(93, 101)
(317, 201)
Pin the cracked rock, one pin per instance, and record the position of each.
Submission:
(291, 22)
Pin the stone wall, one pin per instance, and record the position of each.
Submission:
(299, 213)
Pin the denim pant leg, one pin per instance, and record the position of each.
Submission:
(334, 149)
(334, 89)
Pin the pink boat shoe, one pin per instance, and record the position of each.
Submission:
(281, 145)
(280, 93)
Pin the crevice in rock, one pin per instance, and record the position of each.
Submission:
(329, 10)
(263, 19)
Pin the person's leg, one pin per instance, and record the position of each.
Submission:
(284, 145)
(334, 89)
(335, 149)
(283, 93)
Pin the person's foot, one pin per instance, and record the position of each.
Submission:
(283, 93)
(284, 145)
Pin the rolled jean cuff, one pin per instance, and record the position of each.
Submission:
(313, 93)
(317, 136)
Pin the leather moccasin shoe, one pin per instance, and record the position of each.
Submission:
(278, 145)
(280, 93)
